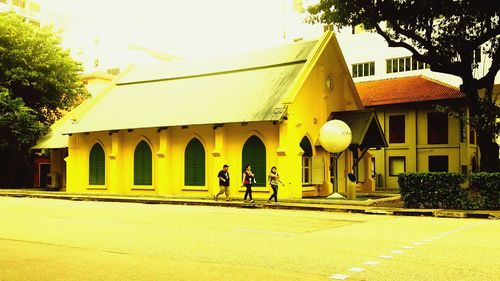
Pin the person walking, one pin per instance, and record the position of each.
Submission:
(248, 180)
(274, 179)
(223, 176)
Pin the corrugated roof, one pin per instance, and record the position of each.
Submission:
(189, 68)
(405, 90)
(245, 88)
(55, 138)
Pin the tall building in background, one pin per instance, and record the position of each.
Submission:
(28, 9)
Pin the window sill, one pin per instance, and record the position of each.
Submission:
(97, 187)
(195, 188)
(143, 187)
(308, 188)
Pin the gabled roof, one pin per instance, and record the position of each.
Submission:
(365, 128)
(55, 137)
(405, 90)
(242, 88)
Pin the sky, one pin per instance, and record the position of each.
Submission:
(195, 28)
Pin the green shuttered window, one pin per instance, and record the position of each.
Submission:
(97, 167)
(194, 164)
(254, 154)
(143, 164)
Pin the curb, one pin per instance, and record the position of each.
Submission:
(285, 205)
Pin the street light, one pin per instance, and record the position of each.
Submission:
(335, 136)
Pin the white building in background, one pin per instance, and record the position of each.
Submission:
(28, 9)
(367, 53)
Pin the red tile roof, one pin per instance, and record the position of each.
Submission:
(405, 90)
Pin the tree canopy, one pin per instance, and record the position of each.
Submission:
(38, 81)
(446, 34)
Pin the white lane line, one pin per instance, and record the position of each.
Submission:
(262, 231)
(339, 276)
(356, 269)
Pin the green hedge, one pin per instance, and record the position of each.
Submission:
(433, 190)
(487, 185)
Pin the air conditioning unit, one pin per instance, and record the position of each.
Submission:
(53, 180)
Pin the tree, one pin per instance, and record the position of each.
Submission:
(19, 130)
(38, 82)
(444, 34)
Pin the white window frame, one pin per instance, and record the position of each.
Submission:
(306, 170)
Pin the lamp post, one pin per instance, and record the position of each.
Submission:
(335, 136)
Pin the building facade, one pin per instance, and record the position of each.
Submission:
(169, 131)
(420, 137)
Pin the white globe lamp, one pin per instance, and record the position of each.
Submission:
(335, 136)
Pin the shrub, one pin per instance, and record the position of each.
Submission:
(433, 190)
(487, 185)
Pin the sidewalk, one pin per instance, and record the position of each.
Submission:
(329, 205)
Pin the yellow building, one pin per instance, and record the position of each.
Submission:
(420, 138)
(169, 130)
(55, 143)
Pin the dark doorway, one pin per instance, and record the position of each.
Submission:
(44, 171)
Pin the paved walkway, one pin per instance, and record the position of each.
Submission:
(331, 205)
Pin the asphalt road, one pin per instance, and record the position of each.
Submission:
(44, 239)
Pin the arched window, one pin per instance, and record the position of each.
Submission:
(97, 167)
(254, 154)
(306, 146)
(143, 164)
(194, 164)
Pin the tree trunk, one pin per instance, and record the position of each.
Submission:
(489, 153)
(483, 119)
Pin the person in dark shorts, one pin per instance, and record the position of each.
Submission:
(223, 176)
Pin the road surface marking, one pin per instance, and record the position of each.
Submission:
(339, 276)
(356, 269)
